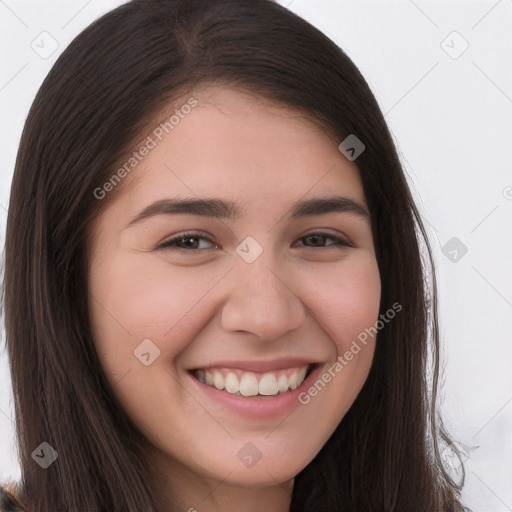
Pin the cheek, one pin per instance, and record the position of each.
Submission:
(345, 300)
(346, 303)
(131, 301)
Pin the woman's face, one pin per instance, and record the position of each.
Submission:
(271, 282)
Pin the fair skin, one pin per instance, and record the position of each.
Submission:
(204, 306)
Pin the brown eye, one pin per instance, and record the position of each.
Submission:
(186, 242)
(318, 240)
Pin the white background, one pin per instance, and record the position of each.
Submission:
(451, 120)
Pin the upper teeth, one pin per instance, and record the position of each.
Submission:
(251, 384)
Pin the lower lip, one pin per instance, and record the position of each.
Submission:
(259, 407)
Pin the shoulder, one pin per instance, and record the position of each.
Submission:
(8, 498)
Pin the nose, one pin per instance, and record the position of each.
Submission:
(261, 301)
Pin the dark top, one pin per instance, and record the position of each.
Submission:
(8, 500)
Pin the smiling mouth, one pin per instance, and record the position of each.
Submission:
(253, 384)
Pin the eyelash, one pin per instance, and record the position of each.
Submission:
(170, 244)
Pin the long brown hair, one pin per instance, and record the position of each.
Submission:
(100, 94)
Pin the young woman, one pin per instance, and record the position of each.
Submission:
(214, 290)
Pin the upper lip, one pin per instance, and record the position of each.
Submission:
(261, 366)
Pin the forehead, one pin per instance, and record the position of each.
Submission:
(232, 144)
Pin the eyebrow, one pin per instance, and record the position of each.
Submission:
(221, 209)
